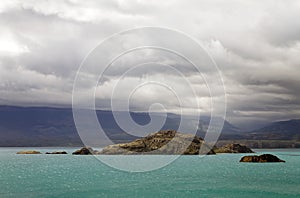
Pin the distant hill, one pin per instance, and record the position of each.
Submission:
(282, 130)
(47, 126)
(38, 126)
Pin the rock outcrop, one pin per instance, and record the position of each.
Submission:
(29, 152)
(167, 142)
(84, 151)
(57, 152)
(261, 158)
(233, 148)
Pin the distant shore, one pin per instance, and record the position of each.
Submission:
(263, 144)
(255, 144)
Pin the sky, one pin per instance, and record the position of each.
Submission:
(256, 45)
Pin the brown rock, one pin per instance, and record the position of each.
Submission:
(233, 148)
(29, 152)
(84, 151)
(163, 142)
(261, 158)
(57, 152)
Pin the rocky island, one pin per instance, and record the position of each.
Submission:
(85, 151)
(57, 153)
(261, 158)
(169, 142)
(29, 152)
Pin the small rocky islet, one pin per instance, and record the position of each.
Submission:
(57, 153)
(85, 151)
(29, 152)
(261, 158)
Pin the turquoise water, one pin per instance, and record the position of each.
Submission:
(189, 176)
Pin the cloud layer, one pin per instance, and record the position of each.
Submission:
(256, 45)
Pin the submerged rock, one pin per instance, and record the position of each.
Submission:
(261, 158)
(163, 142)
(29, 152)
(57, 152)
(84, 151)
(233, 148)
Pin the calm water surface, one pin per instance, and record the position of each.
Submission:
(189, 176)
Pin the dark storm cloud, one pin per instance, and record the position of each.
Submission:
(256, 45)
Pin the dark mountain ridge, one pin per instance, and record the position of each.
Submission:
(47, 126)
(281, 130)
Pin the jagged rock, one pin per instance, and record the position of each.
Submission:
(233, 148)
(29, 152)
(84, 151)
(57, 152)
(163, 142)
(261, 158)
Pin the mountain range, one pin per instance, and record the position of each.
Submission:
(48, 126)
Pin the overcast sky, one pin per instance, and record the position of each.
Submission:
(256, 45)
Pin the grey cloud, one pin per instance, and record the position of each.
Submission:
(255, 44)
(282, 27)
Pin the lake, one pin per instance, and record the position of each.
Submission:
(189, 176)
